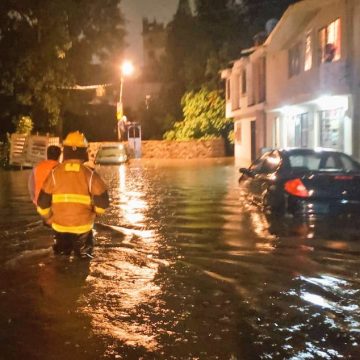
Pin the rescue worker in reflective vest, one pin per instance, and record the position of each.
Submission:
(42, 170)
(70, 199)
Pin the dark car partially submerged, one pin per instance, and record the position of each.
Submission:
(304, 182)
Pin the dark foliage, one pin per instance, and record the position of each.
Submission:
(199, 46)
(46, 45)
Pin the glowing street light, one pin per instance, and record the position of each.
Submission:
(126, 69)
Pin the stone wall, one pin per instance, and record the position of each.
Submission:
(164, 149)
(193, 149)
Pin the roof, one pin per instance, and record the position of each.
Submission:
(294, 18)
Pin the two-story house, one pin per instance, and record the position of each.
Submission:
(309, 72)
(245, 99)
(312, 78)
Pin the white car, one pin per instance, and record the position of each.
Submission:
(111, 154)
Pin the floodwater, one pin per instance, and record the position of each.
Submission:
(183, 269)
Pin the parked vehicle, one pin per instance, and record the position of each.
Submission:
(304, 182)
(111, 154)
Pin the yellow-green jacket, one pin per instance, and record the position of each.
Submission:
(71, 197)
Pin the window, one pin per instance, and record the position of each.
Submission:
(305, 127)
(330, 42)
(238, 132)
(235, 101)
(322, 161)
(267, 164)
(348, 164)
(257, 165)
(309, 161)
(228, 94)
(308, 53)
(329, 163)
(261, 80)
(243, 82)
(338, 162)
(271, 163)
(300, 131)
(331, 129)
(294, 60)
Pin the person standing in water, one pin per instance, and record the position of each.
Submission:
(70, 199)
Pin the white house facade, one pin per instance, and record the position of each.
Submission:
(312, 79)
(245, 102)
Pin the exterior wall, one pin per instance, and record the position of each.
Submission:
(245, 103)
(242, 148)
(319, 106)
(326, 78)
(183, 149)
(260, 129)
(195, 149)
(314, 107)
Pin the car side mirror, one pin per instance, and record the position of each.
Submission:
(246, 172)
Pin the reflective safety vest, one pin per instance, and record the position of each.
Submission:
(38, 176)
(71, 197)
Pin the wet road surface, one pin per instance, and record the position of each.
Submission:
(183, 269)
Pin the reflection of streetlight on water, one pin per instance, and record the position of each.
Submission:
(127, 69)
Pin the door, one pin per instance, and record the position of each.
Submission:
(134, 139)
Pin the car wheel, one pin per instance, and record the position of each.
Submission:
(273, 202)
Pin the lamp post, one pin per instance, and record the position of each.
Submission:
(127, 68)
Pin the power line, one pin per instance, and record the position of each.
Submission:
(85, 87)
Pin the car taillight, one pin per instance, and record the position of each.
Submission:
(344, 177)
(296, 187)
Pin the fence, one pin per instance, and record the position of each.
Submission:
(28, 150)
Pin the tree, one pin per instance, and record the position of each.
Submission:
(47, 45)
(204, 117)
(24, 125)
(198, 46)
(178, 72)
(223, 24)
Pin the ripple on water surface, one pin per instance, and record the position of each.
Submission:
(183, 269)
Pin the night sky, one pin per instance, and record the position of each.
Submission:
(134, 11)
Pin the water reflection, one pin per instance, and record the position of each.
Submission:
(183, 269)
(122, 278)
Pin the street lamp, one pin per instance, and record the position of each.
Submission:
(126, 69)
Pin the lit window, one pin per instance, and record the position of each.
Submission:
(294, 60)
(330, 42)
(308, 53)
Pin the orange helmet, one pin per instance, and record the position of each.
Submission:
(75, 139)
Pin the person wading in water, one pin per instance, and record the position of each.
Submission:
(70, 199)
(42, 170)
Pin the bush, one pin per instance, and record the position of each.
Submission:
(204, 117)
(24, 125)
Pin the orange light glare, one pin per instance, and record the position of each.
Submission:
(127, 68)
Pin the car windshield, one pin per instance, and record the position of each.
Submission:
(323, 161)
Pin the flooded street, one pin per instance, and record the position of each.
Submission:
(183, 269)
